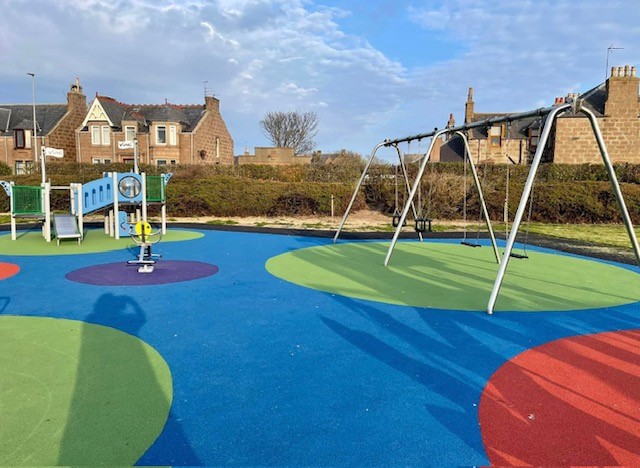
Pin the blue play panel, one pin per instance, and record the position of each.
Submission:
(268, 372)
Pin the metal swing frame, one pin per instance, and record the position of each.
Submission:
(407, 186)
(476, 181)
(552, 113)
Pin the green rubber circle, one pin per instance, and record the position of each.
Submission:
(75, 393)
(95, 241)
(457, 277)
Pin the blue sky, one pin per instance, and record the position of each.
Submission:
(371, 69)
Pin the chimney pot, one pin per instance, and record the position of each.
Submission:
(627, 72)
(633, 71)
(620, 71)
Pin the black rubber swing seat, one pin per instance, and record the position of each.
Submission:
(470, 244)
(423, 225)
(395, 220)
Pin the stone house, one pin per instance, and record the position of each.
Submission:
(271, 156)
(515, 142)
(166, 134)
(617, 108)
(55, 127)
(615, 103)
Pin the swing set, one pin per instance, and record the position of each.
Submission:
(571, 104)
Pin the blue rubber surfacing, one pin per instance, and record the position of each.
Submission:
(267, 372)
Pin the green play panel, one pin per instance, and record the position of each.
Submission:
(452, 276)
(73, 393)
(95, 240)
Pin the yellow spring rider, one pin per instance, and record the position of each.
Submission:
(144, 236)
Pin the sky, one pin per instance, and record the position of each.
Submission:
(370, 69)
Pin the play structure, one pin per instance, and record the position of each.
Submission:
(550, 114)
(145, 238)
(123, 197)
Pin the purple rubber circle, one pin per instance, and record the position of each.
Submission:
(121, 274)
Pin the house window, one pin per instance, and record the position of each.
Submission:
(22, 138)
(172, 135)
(18, 139)
(161, 135)
(106, 135)
(101, 161)
(129, 133)
(534, 137)
(95, 135)
(19, 170)
(161, 162)
(100, 135)
(496, 134)
(217, 147)
(23, 167)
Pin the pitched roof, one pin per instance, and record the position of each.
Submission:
(5, 114)
(187, 115)
(20, 116)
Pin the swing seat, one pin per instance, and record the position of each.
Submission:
(519, 256)
(395, 220)
(470, 244)
(423, 225)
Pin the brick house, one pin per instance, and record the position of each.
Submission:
(55, 127)
(166, 134)
(615, 103)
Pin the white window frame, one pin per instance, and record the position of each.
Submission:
(173, 135)
(161, 162)
(95, 135)
(129, 132)
(19, 167)
(217, 147)
(106, 161)
(106, 135)
(95, 161)
(158, 142)
(496, 134)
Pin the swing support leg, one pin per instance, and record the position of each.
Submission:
(355, 192)
(476, 181)
(529, 184)
(523, 205)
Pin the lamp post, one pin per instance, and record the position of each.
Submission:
(35, 125)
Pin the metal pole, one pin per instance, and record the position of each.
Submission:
(414, 189)
(407, 185)
(355, 192)
(136, 169)
(614, 181)
(35, 126)
(479, 124)
(476, 181)
(523, 204)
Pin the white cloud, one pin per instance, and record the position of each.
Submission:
(260, 55)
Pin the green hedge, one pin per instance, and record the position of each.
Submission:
(562, 193)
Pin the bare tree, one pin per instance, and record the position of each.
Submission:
(291, 129)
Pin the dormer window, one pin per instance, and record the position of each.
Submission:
(496, 133)
(129, 133)
(533, 138)
(22, 139)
